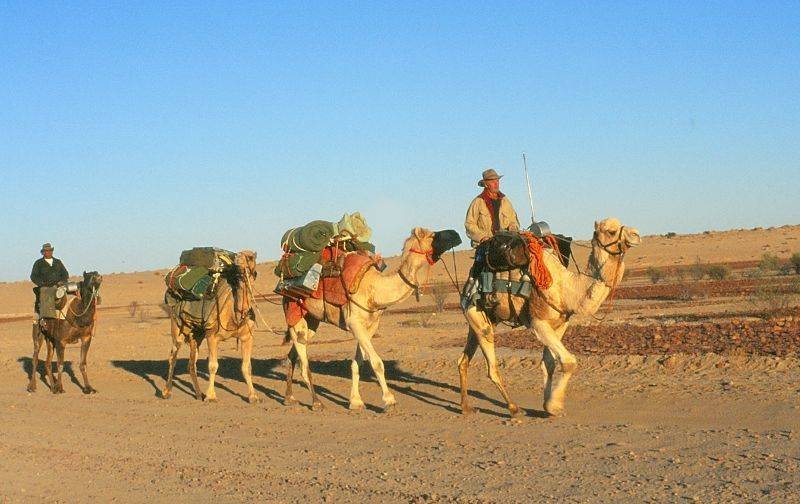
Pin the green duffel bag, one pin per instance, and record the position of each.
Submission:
(313, 237)
(296, 264)
(212, 258)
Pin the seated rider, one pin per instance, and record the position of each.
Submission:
(47, 272)
(491, 211)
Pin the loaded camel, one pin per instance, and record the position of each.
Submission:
(548, 312)
(79, 325)
(361, 315)
(231, 317)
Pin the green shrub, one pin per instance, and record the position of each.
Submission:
(670, 235)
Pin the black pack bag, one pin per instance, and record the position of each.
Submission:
(506, 251)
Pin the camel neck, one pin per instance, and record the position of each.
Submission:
(394, 288)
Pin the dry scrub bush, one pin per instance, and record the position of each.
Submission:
(655, 274)
(421, 320)
(698, 270)
(769, 263)
(440, 293)
(795, 262)
(772, 300)
(718, 272)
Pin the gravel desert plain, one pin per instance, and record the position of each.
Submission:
(688, 389)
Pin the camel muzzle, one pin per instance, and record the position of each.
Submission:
(444, 241)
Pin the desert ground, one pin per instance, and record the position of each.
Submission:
(687, 389)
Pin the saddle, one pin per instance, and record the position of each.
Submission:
(506, 251)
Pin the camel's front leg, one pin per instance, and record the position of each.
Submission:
(87, 389)
(193, 367)
(51, 381)
(166, 393)
(247, 355)
(213, 366)
(291, 362)
(364, 338)
(59, 389)
(38, 337)
(463, 369)
(484, 331)
(548, 370)
(356, 403)
(551, 339)
(300, 334)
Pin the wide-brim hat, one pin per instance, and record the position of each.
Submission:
(47, 246)
(489, 174)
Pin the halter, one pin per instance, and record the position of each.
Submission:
(428, 254)
(619, 242)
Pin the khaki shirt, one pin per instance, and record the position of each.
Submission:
(479, 219)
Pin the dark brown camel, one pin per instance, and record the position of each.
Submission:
(78, 326)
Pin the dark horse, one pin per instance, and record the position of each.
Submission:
(58, 333)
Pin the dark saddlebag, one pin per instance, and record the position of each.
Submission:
(506, 251)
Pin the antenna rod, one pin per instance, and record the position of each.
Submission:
(528, 180)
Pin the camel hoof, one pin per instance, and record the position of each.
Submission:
(31, 388)
(515, 412)
(89, 390)
(166, 394)
(58, 391)
(209, 399)
(389, 408)
(357, 406)
(289, 401)
(200, 397)
(554, 410)
(317, 406)
(253, 399)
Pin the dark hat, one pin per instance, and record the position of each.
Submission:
(47, 246)
(489, 174)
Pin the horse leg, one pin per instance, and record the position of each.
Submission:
(87, 389)
(463, 368)
(247, 353)
(213, 366)
(38, 337)
(291, 357)
(364, 338)
(484, 331)
(193, 367)
(355, 396)
(60, 366)
(551, 339)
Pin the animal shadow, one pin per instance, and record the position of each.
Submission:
(27, 366)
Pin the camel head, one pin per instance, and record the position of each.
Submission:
(246, 263)
(614, 238)
(427, 245)
(91, 281)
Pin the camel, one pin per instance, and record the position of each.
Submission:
(362, 314)
(548, 312)
(79, 325)
(231, 316)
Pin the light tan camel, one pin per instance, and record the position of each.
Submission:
(362, 315)
(231, 316)
(548, 311)
(79, 325)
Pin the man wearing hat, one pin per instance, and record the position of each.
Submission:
(490, 211)
(47, 272)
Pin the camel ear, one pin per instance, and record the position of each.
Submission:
(596, 225)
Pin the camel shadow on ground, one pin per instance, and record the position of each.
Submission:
(27, 366)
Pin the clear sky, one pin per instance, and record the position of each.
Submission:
(132, 130)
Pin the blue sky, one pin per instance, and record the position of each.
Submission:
(130, 131)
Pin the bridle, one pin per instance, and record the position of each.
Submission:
(428, 254)
(618, 241)
(428, 257)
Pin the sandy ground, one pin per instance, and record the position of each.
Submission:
(698, 426)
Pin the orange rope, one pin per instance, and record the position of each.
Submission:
(539, 272)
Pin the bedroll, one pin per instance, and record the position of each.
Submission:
(189, 283)
(212, 258)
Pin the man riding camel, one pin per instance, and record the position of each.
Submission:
(47, 272)
(491, 211)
